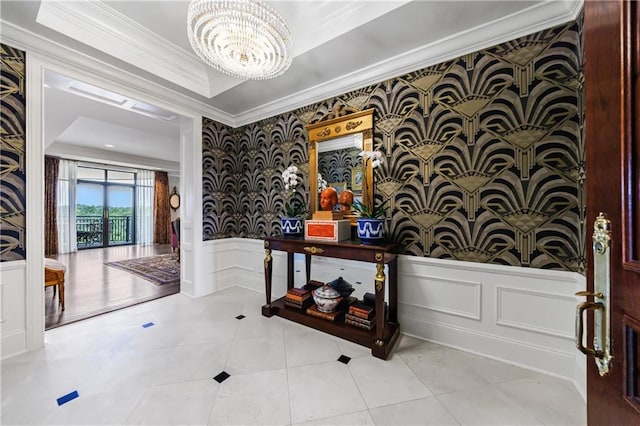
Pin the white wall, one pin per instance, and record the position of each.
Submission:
(523, 316)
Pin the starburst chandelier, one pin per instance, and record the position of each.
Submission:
(241, 38)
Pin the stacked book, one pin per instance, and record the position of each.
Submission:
(361, 315)
(298, 298)
(329, 316)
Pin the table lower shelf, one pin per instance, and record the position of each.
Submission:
(339, 328)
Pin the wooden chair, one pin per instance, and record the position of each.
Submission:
(54, 276)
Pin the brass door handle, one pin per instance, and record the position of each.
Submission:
(584, 306)
(585, 293)
(601, 303)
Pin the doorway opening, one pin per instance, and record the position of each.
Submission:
(110, 147)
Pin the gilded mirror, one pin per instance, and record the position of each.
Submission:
(174, 199)
(344, 136)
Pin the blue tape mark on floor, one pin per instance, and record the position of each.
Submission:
(68, 397)
(147, 325)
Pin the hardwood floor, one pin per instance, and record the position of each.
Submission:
(92, 288)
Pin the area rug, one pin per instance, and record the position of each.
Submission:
(161, 270)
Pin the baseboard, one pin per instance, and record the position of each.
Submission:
(14, 343)
(543, 359)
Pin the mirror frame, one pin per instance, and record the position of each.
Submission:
(174, 199)
(357, 122)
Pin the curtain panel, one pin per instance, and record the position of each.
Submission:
(51, 165)
(161, 211)
(66, 207)
(145, 181)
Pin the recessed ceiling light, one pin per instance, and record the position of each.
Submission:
(108, 145)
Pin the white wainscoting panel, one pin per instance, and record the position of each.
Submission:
(545, 313)
(13, 305)
(449, 296)
(526, 316)
(523, 316)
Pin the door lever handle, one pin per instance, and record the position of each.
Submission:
(585, 293)
(584, 306)
(601, 303)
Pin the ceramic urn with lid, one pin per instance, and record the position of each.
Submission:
(326, 298)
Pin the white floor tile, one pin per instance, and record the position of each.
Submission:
(352, 350)
(128, 371)
(193, 362)
(175, 404)
(110, 408)
(253, 355)
(252, 399)
(386, 382)
(33, 412)
(444, 369)
(310, 347)
(361, 418)
(322, 390)
(485, 406)
(255, 326)
(47, 380)
(552, 401)
(209, 331)
(425, 411)
(221, 310)
(162, 334)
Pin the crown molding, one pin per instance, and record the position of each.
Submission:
(103, 28)
(527, 21)
(87, 68)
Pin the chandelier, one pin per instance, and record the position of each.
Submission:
(241, 38)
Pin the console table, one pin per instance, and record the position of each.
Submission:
(382, 338)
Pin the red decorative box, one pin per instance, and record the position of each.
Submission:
(327, 230)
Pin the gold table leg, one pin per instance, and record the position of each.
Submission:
(380, 280)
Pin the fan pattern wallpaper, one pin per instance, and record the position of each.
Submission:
(484, 157)
(12, 146)
(337, 167)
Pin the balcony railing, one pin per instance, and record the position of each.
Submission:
(90, 231)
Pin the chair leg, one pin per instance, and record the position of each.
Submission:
(61, 293)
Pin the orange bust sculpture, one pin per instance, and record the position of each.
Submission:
(328, 198)
(346, 200)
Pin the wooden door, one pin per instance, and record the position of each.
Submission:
(612, 138)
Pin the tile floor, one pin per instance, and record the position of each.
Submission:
(281, 373)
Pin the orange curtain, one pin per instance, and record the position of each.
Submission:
(161, 212)
(50, 206)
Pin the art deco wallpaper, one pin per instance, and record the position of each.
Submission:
(12, 145)
(484, 157)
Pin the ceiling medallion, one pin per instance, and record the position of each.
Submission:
(242, 38)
